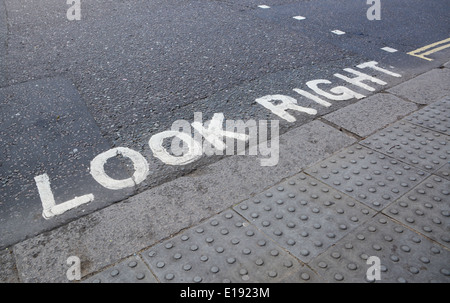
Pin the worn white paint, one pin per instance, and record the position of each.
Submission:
(374, 65)
(340, 93)
(358, 81)
(280, 109)
(139, 163)
(338, 32)
(389, 49)
(214, 134)
(312, 97)
(50, 208)
(299, 18)
(263, 6)
(156, 145)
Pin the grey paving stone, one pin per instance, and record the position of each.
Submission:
(370, 114)
(425, 149)
(226, 248)
(426, 209)
(130, 270)
(426, 88)
(8, 271)
(444, 171)
(304, 216)
(404, 255)
(368, 176)
(435, 116)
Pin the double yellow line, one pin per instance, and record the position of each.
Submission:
(430, 49)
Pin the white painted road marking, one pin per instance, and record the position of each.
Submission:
(50, 208)
(340, 93)
(139, 163)
(338, 32)
(389, 49)
(263, 6)
(214, 135)
(374, 65)
(156, 145)
(280, 109)
(299, 18)
(358, 81)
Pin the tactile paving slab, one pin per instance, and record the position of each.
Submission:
(304, 216)
(405, 256)
(368, 176)
(303, 275)
(226, 248)
(131, 270)
(444, 171)
(435, 116)
(426, 209)
(424, 148)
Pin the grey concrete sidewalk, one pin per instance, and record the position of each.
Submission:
(371, 179)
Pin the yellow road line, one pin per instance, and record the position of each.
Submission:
(417, 52)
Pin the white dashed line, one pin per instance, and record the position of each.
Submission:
(389, 49)
(338, 32)
(299, 18)
(263, 6)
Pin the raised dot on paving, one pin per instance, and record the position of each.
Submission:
(405, 256)
(227, 248)
(435, 116)
(426, 209)
(444, 171)
(306, 217)
(368, 176)
(418, 146)
(130, 270)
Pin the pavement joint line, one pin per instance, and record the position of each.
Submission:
(340, 128)
(419, 106)
(391, 152)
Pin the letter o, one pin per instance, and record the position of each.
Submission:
(139, 163)
(156, 145)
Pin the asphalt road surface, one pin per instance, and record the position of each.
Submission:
(71, 90)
